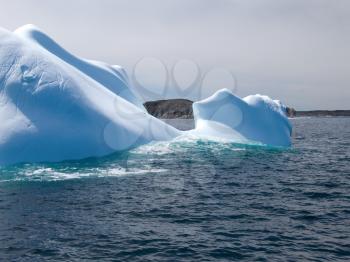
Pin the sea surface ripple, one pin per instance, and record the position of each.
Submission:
(187, 200)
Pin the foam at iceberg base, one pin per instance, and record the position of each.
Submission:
(55, 106)
(254, 118)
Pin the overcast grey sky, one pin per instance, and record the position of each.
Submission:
(294, 50)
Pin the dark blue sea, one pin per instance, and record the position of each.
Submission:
(186, 200)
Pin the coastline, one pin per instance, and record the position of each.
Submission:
(182, 109)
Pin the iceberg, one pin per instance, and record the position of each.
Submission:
(255, 118)
(55, 106)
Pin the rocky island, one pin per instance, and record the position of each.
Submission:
(170, 109)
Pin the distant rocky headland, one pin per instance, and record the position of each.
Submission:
(170, 109)
(321, 113)
(182, 108)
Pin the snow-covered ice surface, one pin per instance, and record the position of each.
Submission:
(55, 106)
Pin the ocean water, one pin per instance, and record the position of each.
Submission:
(188, 200)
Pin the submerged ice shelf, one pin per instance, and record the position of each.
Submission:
(55, 106)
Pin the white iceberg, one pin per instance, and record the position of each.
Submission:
(55, 106)
(255, 118)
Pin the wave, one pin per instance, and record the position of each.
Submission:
(155, 157)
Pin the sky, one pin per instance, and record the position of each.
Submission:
(297, 51)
